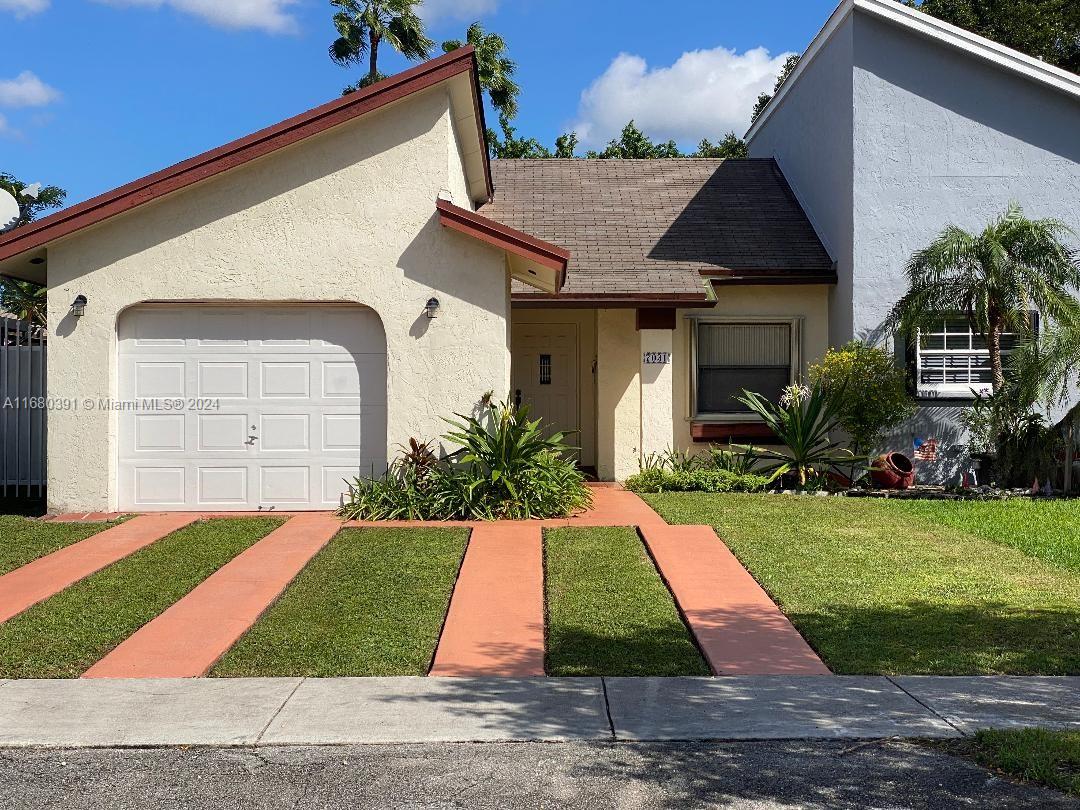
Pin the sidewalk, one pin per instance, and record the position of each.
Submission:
(296, 711)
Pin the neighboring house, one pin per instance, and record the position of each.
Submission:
(894, 125)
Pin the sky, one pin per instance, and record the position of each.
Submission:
(95, 93)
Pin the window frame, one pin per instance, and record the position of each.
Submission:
(945, 390)
(795, 326)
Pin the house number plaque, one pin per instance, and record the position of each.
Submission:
(657, 358)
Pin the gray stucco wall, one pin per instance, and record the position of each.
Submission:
(942, 137)
(810, 135)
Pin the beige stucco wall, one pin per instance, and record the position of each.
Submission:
(585, 320)
(810, 303)
(345, 216)
(633, 417)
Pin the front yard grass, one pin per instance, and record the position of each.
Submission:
(23, 540)
(1050, 758)
(371, 603)
(67, 633)
(879, 587)
(609, 613)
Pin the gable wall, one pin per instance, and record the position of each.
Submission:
(348, 215)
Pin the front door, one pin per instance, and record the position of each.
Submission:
(545, 374)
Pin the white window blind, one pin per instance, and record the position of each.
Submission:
(736, 356)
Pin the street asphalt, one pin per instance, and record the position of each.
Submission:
(749, 774)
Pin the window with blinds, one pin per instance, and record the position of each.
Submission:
(952, 360)
(736, 356)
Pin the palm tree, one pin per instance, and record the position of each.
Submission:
(23, 299)
(996, 279)
(494, 69)
(364, 24)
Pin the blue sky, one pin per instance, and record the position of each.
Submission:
(94, 93)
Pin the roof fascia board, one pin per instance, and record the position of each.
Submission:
(241, 151)
(932, 28)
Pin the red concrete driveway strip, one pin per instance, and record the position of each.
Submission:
(188, 639)
(739, 628)
(495, 625)
(44, 577)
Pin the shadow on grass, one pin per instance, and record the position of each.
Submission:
(924, 638)
(663, 651)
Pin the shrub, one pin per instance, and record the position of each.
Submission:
(505, 469)
(701, 479)
(871, 390)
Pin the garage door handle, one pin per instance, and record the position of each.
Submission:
(252, 440)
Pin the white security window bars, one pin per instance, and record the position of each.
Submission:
(952, 360)
(731, 357)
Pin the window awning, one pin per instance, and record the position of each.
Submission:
(533, 261)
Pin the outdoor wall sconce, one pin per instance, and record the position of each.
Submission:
(78, 306)
(432, 307)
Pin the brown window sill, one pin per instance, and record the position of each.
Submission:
(737, 432)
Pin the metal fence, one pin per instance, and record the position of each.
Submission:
(23, 425)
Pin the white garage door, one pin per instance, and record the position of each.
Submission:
(246, 408)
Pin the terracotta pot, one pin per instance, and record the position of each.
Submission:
(893, 471)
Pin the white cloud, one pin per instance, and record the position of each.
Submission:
(265, 15)
(26, 90)
(23, 8)
(704, 94)
(464, 10)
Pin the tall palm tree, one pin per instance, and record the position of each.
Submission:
(996, 279)
(494, 68)
(364, 24)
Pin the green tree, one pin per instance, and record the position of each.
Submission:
(510, 146)
(495, 69)
(566, 145)
(633, 144)
(24, 299)
(363, 25)
(763, 100)
(1046, 29)
(871, 390)
(996, 279)
(732, 146)
(30, 206)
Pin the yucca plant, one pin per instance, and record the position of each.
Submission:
(802, 421)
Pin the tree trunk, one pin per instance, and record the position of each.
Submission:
(373, 59)
(993, 343)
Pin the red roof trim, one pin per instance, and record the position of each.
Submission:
(248, 148)
(610, 300)
(502, 236)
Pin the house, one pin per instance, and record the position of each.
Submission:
(894, 125)
(254, 326)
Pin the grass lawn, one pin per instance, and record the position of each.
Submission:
(1050, 758)
(23, 540)
(1049, 530)
(609, 613)
(371, 603)
(67, 633)
(879, 587)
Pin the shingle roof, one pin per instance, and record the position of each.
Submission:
(652, 227)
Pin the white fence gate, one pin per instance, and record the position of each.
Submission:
(23, 424)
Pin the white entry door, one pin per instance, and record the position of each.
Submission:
(248, 408)
(545, 374)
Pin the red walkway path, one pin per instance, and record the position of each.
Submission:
(51, 574)
(188, 638)
(739, 628)
(495, 625)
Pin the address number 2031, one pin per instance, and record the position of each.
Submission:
(657, 358)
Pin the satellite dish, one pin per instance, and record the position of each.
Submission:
(9, 211)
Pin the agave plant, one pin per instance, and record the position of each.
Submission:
(802, 421)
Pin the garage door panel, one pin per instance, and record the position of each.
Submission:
(285, 380)
(160, 379)
(285, 432)
(295, 406)
(160, 433)
(222, 486)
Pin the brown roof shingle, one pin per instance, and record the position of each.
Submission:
(661, 227)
